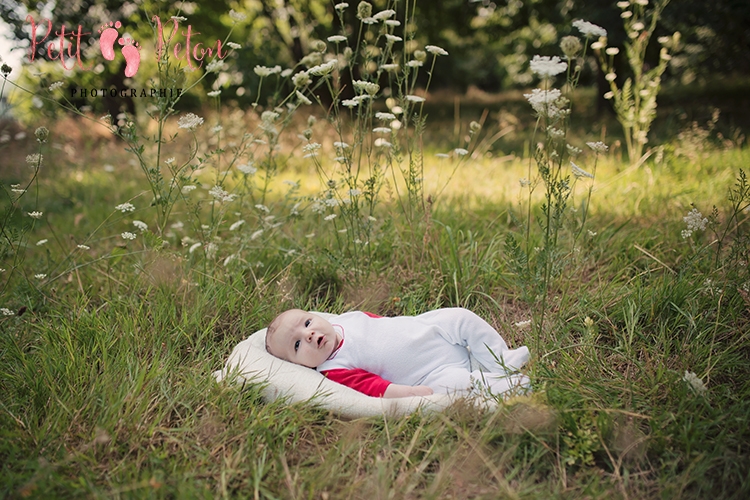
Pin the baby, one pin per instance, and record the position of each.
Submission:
(400, 356)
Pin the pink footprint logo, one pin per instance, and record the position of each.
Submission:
(131, 49)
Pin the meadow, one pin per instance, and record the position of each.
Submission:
(106, 362)
(137, 250)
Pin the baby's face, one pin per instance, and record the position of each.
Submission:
(303, 338)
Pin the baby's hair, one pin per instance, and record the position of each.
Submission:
(271, 330)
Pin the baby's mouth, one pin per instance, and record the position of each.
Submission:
(320, 341)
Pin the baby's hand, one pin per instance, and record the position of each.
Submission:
(405, 391)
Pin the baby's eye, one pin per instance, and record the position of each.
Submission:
(296, 345)
(307, 322)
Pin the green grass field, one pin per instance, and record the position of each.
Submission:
(106, 360)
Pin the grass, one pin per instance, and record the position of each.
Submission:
(105, 386)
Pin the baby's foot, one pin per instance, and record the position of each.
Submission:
(108, 35)
(132, 52)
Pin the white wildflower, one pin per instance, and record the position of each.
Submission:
(234, 45)
(393, 38)
(215, 66)
(389, 67)
(55, 86)
(127, 235)
(237, 16)
(34, 159)
(545, 102)
(354, 192)
(414, 63)
(350, 103)
(264, 71)
(262, 208)
(695, 222)
(598, 147)
(524, 182)
(523, 324)
(41, 242)
(125, 207)
(340, 145)
(381, 130)
(35, 215)
(256, 234)
(187, 188)
(366, 87)
(547, 66)
(229, 259)
(7, 312)
(612, 51)
(83, 247)
(384, 15)
(336, 38)
(311, 149)
(414, 98)
(393, 23)
(140, 225)
(460, 152)
(301, 79)
(382, 143)
(220, 194)
(385, 116)
(190, 121)
(40, 276)
(589, 29)
(323, 69)
(194, 247)
(442, 155)
(695, 383)
(579, 172)
(341, 6)
(302, 97)
(214, 93)
(435, 50)
(329, 217)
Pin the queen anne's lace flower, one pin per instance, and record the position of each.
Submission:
(323, 69)
(598, 147)
(125, 207)
(545, 102)
(127, 235)
(434, 49)
(695, 222)
(190, 121)
(234, 45)
(695, 383)
(302, 97)
(366, 87)
(384, 14)
(460, 152)
(414, 98)
(380, 115)
(237, 16)
(264, 71)
(579, 172)
(236, 225)
(35, 215)
(142, 226)
(336, 38)
(547, 66)
(589, 29)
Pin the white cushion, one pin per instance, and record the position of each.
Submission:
(250, 362)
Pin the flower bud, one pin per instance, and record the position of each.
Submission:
(41, 134)
(570, 45)
(364, 10)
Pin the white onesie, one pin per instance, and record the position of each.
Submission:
(429, 349)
